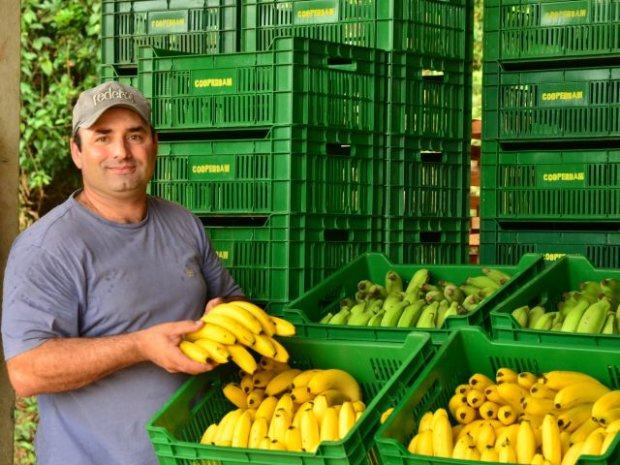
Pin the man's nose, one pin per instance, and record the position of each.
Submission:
(121, 149)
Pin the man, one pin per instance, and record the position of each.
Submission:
(99, 292)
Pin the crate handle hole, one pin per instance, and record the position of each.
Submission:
(431, 157)
(336, 235)
(340, 150)
(432, 75)
(430, 237)
(344, 64)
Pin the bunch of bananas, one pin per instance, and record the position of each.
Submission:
(593, 308)
(230, 328)
(523, 418)
(284, 408)
(421, 304)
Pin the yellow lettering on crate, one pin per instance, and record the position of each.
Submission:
(211, 169)
(223, 254)
(577, 95)
(566, 14)
(168, 22)
(564, 177)
(213, 82)
(552, 257)
(316, 13)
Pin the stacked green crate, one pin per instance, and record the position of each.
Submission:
(551, 121)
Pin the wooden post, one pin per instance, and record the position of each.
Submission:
(9, 170)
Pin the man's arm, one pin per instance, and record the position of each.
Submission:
(66, 364)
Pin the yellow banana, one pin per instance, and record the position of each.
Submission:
(609, 439)
(292, 439)
(613, 427)
(424, 444)
(442, 434)
(239, 314)
(255, 397)
(304, 377)
(485, 437)
(214, 332)
(594, 442)
(282, 382)
(241, 433)
(479, 381)
(542, 390)
(194, 352)
(319, 407)
(234, 393)
(572, 454)
(506, 375)
(217, 352)
(258, 431)
(242, 358)
(264, 346)
(461, 446)
(411, 447)
(270, 364)
(244, 336)
(455, 401)
(269, 328)
(606, 408)
(527, 379)
(462, 389)
(246, 382)
(526, 443)
(551, 441)
(261, 378)
(277, 445)
(513, 394)
(226, 428)
(303, 407)
(334, 378)
(565, 438)
(283, 327)
(329, 425)
(279, 424)
(346, 419)
(264, 443)
(209, 434)
(466, 414)
(286, 402)
(488, 410)
(509, 434)
(301, 395)
(281, 354)
(537, 405)
(426, 421)
(489, 454)
(507, 414)
(538, 459)
(583, 431)
(490, 392)
(359, 406)
(579, 393)
(507, 453)
(475, 398)
(558, 379)
(310, 432)
(572, 418)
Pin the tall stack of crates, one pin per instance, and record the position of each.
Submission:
(551, 130)
(304, 133)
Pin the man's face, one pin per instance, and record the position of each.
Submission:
(118, 154)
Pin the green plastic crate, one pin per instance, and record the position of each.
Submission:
(430, 27)
(426, 240)
(291, 170)
(275, 259)
(382, 369)
(537, 31)
(427, 180)
(307, 310)
(555, 105)
(429, 97)
(547, 185)
(504, 244)
(299, 81)
(469, 351)
(194, 26)
(546, 289)
(112, 73)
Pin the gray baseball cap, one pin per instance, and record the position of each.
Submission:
(92, 103)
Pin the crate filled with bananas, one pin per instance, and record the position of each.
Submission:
(497, 401)
(571, 303)
(322, 405)
(374, 299)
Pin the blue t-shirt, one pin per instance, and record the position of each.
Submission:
(74, 274)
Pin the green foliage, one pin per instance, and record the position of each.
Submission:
(60, 57)
(26, 420)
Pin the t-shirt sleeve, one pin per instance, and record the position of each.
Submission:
(219, 281)
(39, 301)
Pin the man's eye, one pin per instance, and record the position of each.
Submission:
(136, 138)
(101, 139)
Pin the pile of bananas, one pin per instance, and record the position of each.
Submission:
(230, 328)
(593, 308)
(522, 418)
(284, 408)
(421, 304)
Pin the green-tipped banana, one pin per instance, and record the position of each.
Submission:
(469, 289)
(377, 291)
(375, 320)
(486, 292)
(374, 305)
(482, 282)
(358, 308)
(428, 318)
(393, 314)
(347, 302)
(393, 282)
(545, 322)
(572, 315)
(496, 275)
(360, 296)
(521, 314)
(392, 300)
(611, 325)
(452, 310)
(364, 285)
(592, 288)
(412, 297)
(453, 293)
(411, 314)
(325, 319)
(434, 296)
(534, 315)
(340, 318)
(593, 319)
(470, 302)
(420, 277)
(360, 318)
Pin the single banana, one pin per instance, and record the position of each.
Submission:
(217, 352)
(255, 397)
(428, 317)
(527, 379)
(465, 414)
(282, 382)
(309, 405)
(594, 442)
(261, 378)
(264, 345)
(488, 410)
(267, 407)
(319, 407)
(292, 439)
(281, 354)
(283, 327)
(443, 444)
(209, 434)
(579, 393)
(239, 314)
(268, 326)
(507, 435)
(393, 282)
(572, 418)
(537, 405)
(242, 358)
(551, 441)
(479, 381)
(346, 419)
(419, 278)
(214, 332)
(226, 428)
(593, 319)
(424, 444)
(513, 394)
(310, 432)
(490, 392)
(506, 375)
(496, 275)
(334, 378)
(521, 315)
(304, 377)
(244, 335)
(542, 390)
(535, 314)
(583, 431)
(236, 395)
(475, 398)
(329, 425)
(558, 379)
(573, 315)
(507, 414)
(246, 382)
(194, 352)
(606, 409)
(526, 443)
(482, 282)
(507, 453)
(301, 394)
(286, 402)
(489, 454)
(572, 454)
(485, 437)
(241, 432)
(279, 424)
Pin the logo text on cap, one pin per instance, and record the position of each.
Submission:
(111, 94)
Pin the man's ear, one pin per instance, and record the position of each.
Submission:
(76, 154)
